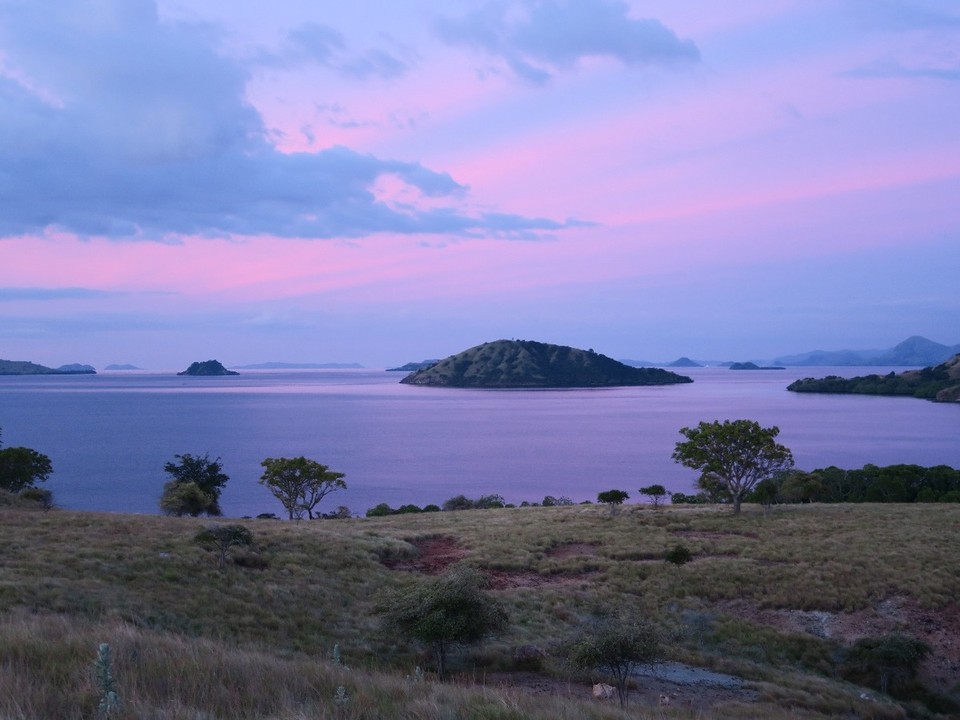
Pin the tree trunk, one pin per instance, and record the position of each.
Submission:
(737, 499)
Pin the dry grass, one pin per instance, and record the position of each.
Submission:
(254, 640)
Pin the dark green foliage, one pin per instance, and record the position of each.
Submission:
(299, 483)
(222, 538)
(458, 502)
(616, 643)
(525, 363)
(485, 502)
(613, 497)
(381, 510)
(194, 486)
(883, 660)
(21, 468)
(679, 555)
(448, 610)
(739, 453)
(931, 383)
(656, 493)
(892, 483)
(679, 498)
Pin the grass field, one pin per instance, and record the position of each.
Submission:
(774, 599)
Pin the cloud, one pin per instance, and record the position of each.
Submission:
(540, 38)
(116, 124)
(326, 46)
(889, 68)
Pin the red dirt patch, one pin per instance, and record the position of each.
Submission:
(434, 555)
(504, 579)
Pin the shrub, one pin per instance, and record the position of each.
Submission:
(40, 496)
(679, 555)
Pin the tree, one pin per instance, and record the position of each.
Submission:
(194, 486)
(739, 453)
(223, 537)
(444, 611)
(613, 498)
(22, 468)
(656, 493)
(617, 643)
(299, 483)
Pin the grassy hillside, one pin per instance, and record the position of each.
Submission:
(774, 599)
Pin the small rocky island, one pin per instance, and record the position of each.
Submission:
(753, 366)
(940, 383)
(207, 368)
(528, 364)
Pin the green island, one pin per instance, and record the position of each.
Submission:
(940, 383)
(529, 364)
(206, 369)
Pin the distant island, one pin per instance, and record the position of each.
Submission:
(940, 383)
(207, 368)
(411, 366)
(125, 366)
(530, 364)
(22, 367)
(300, 366)
(753, 366)
(684, 362)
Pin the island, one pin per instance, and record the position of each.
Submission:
(528, 364)
(22, 367)
(411, 366)
(207, 368)
(753, 366)
(940, 383)
(684, 362)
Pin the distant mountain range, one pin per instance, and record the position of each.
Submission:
(914, 351)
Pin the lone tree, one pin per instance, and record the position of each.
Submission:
(613, 498)
(617, 643)
(656, 493)
(448, 610)
(223, 537)
(194, 486)
(739, 453)
(299, 483)
(889, 657)
(22, 468)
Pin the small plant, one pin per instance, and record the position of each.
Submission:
(223, 537)
(340, 699)
(103, 674)
(679, 555)
(335, 655)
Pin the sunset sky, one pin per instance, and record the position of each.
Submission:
(381, 182)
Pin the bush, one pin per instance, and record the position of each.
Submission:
(679, 555)
(40, 496)
(381, 510)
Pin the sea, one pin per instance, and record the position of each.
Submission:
(109, 435)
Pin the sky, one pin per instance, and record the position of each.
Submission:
(383, 182)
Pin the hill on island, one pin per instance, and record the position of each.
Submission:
(22, 367)
(207, 368)
(940, 383)
(530, 364)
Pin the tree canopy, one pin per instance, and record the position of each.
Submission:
(22, 468)
(737, 453)
(617, 643)
(451, 609)
(194, 486)
(300, 483)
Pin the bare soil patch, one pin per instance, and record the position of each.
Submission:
(939, 628)
(434, 555)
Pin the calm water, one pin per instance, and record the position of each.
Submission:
(109, 435)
